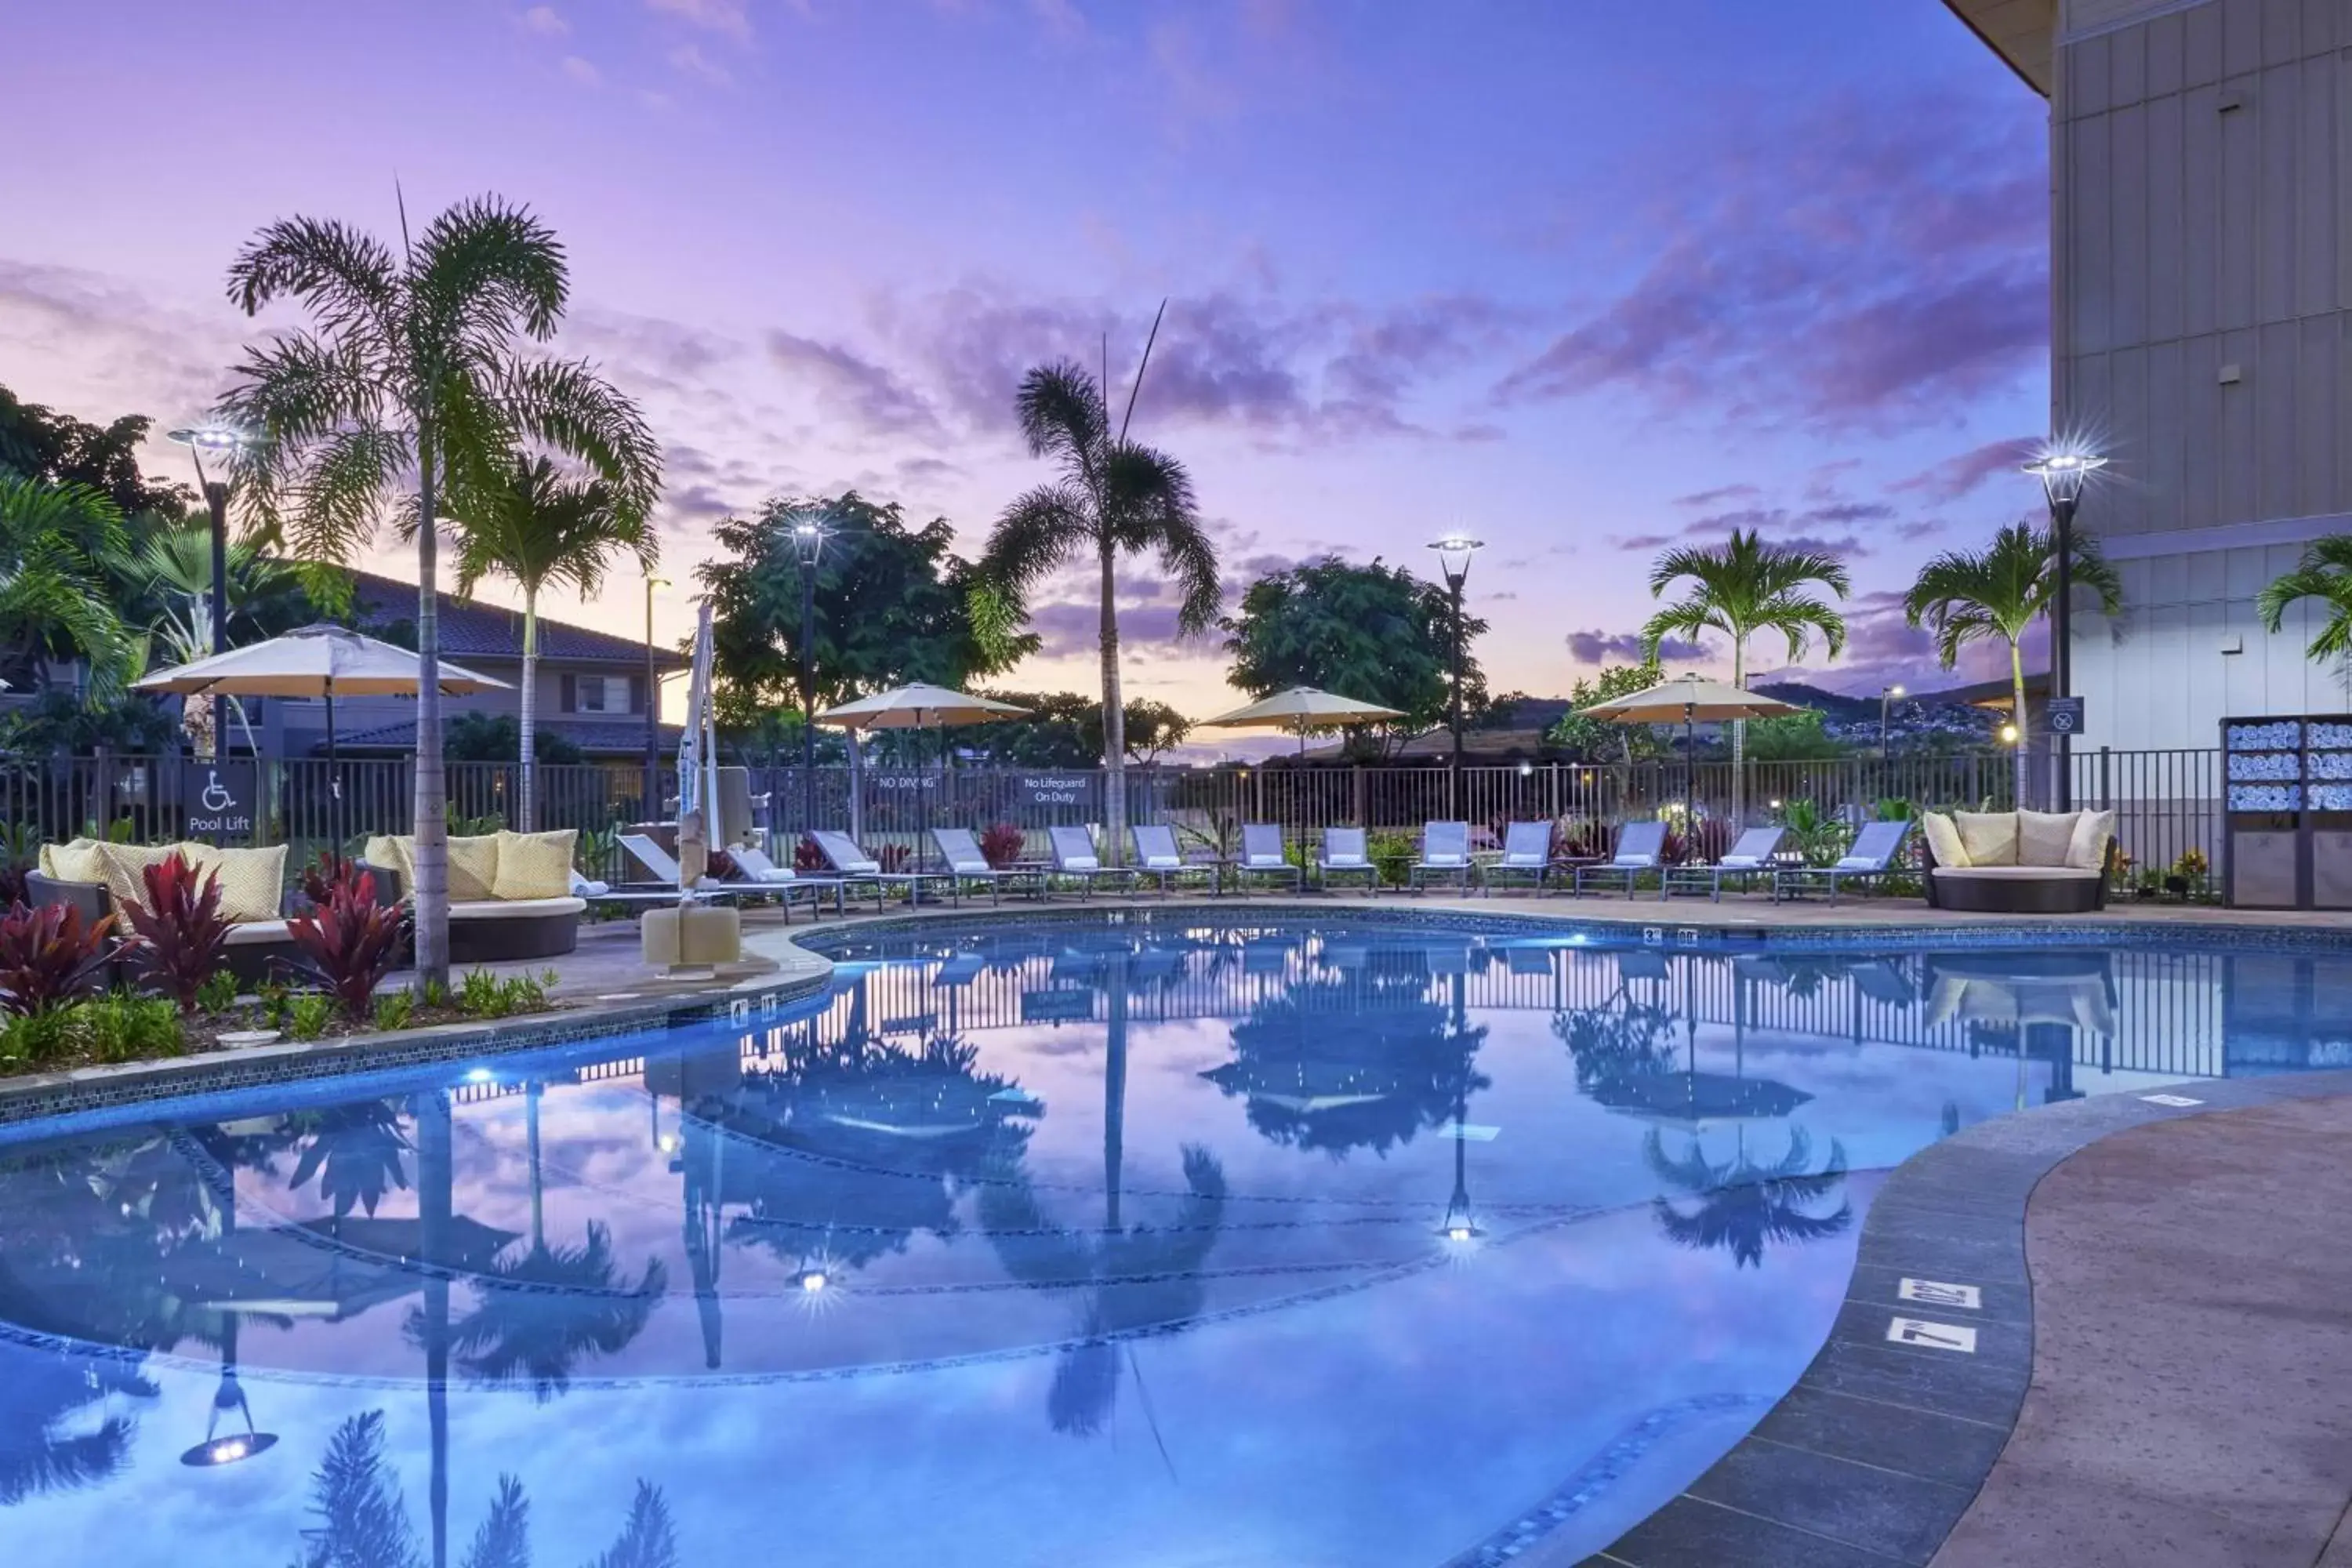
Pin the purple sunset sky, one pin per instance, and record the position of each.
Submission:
(1581, 279)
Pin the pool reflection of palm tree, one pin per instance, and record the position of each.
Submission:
(43, 1448)
(358, 1152)
(363, 1520)
(1741, 1206)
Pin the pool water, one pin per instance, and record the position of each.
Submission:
(1102, 1244)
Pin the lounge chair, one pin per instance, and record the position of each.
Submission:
(966, 864)
(1074, 856)
(765, 876)
(845, 860)
(1262, 856)
(1157, 855)
(1527, 852)
(664, 869)
(1347, 854)
(1871, 860)
(1445, 852)
(1750, 858)
(1641, 848)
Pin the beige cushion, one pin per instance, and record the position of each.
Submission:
(257, 933)
(2087, 850)
(2042, 837)
(1989, 837)
(1943, 838)
(515, 909)
(126, 870)
(394, 853)
(77, 860)
(534, 865)
(690, 934)
(252, 881)
(473, 867)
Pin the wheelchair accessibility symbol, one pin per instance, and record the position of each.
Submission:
(215, 798)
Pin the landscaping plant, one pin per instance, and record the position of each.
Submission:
(182, 935)
(46, 953)
(121, 1027)
(395, 1009)
(20, 851)
(218, 994)
(307, 1014)
(34, 1038)
(807, 855)
(1001, 845)
(349, 941)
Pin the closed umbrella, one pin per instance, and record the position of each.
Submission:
(698, 763)
(1689, 700)
(915, 706)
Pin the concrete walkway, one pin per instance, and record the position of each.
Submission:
(2192, 1398)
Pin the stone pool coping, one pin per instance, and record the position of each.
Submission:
(1881, 1447)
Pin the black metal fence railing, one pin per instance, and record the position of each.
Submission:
(2168, 803)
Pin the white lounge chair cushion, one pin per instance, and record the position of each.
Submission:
(1265, 863)
(1860, 863)
(585, 887)
(2042, 837)
(515, 909)
(1441, 858)
(1740, 863)
(1080, 863)
(1346, 863)
(1163, 862)
(256, 933)
(1990, 836)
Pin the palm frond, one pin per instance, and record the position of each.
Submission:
(1798, 615)
(1035, 536)
(1062, 415)
(486, 267)
(345, 277)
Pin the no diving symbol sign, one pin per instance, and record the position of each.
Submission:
(1932, 1336)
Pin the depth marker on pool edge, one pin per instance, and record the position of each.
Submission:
(1935, 1336)
(1936, 1293)
(2172, 1100)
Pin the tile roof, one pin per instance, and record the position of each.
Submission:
(595, 740)
(475, 629)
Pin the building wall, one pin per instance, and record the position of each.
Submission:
(2203, 259)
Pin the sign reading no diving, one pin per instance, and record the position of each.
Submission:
(2064, 715)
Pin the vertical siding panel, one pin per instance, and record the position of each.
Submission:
(2091, 275)
(2128, 168)
(2086, 78)
(2238, 450)
(2315, 429)
(2126, 432)
(2201, 57)
(2201, 432)
(2274, 379)
(2166, 37)
(2167, 237)
(2241, 36)
(2278, 123)
(2322, 26)
(2314, 187)
(2200, 224)
(2163, 464)
(2092, 406)
(2127, 67)
(2282, 31)
(2241, 191)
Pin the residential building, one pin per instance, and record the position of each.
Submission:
(2201, 259)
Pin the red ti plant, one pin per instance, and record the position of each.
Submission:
(47, 952)
(893, 857)
(349, 942)
(182, 935)
(1001, 845)
(319, 878)
(807, 855)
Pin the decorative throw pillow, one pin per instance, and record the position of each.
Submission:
(2087, 851)
(2042, 837)
(77, 860)
(395, 854)
(252, 881)
(472, 868)
(1989, 837)
(534, 865)
(1943, 839)
(126, 867)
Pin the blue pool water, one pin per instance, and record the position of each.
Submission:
(1070, 1245)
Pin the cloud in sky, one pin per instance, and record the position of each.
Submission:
(1626, 647)
(544, 20)
(729, 18)
(855, 388)
(1962, 474)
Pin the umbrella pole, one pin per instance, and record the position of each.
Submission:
(334, 775)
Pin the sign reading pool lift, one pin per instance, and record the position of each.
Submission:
(1933, 1336)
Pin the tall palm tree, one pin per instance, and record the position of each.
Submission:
(1740, 588)
(1998, 592)
(1114, 497)
(2324, 574)
(412, 391)
(1742, 1204)
(545, 531)
(57, 544)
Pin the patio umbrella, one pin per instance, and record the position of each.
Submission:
(326, 661)
(1301, 709)
(1689, 698)
(916, 707)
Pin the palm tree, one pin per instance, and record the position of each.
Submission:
(56, 543)
(543, 530)
(2324, 574)
(1114, 497)
(1742, 1205)
(1740, 589)
(410, 395)
(1999, 592)
(358, 1152)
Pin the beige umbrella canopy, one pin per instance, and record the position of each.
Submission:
(918, 706)
(1689, 698)
(1301, 709)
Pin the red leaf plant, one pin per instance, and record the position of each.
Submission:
(47, 952)
(1001, 845)
(349, 941)
(182, 937)
(807, 855)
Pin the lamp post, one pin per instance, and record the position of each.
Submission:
(221, 440)
(808, 543)
(652, 706)
(2063, 470)
(1886, 697)
(1454, 552)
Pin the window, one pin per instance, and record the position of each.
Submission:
(601, 693)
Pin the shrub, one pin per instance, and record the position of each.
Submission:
(482, 994)
(182, 932)
(322, 874)
(893, 857)
(32, 1039)
(218, 994)
(20, 851)
(1394, 853)
(273, 995)
(807, 855)
(307, 1014)
(122, 1027)
(1002, 843)
(395, 1010)
(719, 864)
(46, 953)
(1579, 838)
(1700, 843)
(349, 941)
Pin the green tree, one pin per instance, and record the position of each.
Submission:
(1598, 741)
(39, 443)
(1065, 730)
(169, 591)
(1374, 633)
(893, 606)
(1998, 593)
(480, 737)
(1740, 588)
(543, 530)
(1798, 737)
(1113, 496)
(59, 544)
(411, 395)
(2324, 574)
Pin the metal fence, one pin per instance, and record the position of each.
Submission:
(2167, 802)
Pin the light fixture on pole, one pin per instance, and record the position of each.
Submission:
(653, 707)
(1886, 697)
(2063, 469)
(221, 440)
(1454, 552)
(808, 545)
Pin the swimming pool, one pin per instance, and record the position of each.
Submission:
(1298, 1243)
